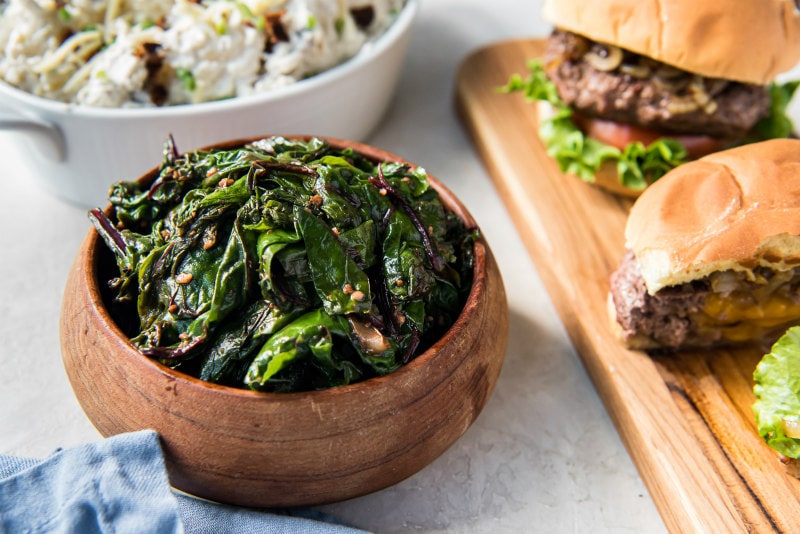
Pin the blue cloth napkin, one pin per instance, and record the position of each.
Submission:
(120, 485)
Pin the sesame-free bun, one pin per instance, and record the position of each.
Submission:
(736, 209)
(740, 40)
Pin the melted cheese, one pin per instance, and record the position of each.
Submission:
(741, 316)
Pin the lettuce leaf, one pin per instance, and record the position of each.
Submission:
(637, 165)
(777, 390)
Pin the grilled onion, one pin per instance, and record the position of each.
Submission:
(667, 72)
(701, 96)
(681, 105)
(604, 57)
(369, 338)
(639, 70)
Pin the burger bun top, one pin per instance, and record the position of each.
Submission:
(740, 40)
(736, 209)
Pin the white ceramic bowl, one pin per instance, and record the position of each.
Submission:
(76, 152)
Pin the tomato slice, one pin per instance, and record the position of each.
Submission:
(619, 135)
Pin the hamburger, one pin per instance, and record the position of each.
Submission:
(713, 252)
(633, 89)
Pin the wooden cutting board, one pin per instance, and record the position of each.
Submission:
(685, 419)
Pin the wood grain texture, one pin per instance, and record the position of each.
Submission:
(685, 419)
(293, 449)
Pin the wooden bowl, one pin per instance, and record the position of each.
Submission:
(286, 449)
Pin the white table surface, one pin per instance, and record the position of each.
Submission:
(543, 455)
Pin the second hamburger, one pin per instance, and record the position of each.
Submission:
(713, 252)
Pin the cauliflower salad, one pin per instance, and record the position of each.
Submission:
(145, 53)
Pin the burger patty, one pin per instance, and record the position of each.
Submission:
(611, 83)
(726, 307)
(663, 317)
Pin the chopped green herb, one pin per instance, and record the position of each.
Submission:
(312, 22)
(339, 25)
(63, 14)
(245, 11)
(187, 77)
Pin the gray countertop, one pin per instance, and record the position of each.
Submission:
(543, 456)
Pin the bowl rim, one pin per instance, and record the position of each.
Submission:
(371, 50)
(93, 246)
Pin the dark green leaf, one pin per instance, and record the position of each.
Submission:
(340, 284)
(228, 357)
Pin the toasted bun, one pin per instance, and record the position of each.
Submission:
(740, 40)
(736, 209)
